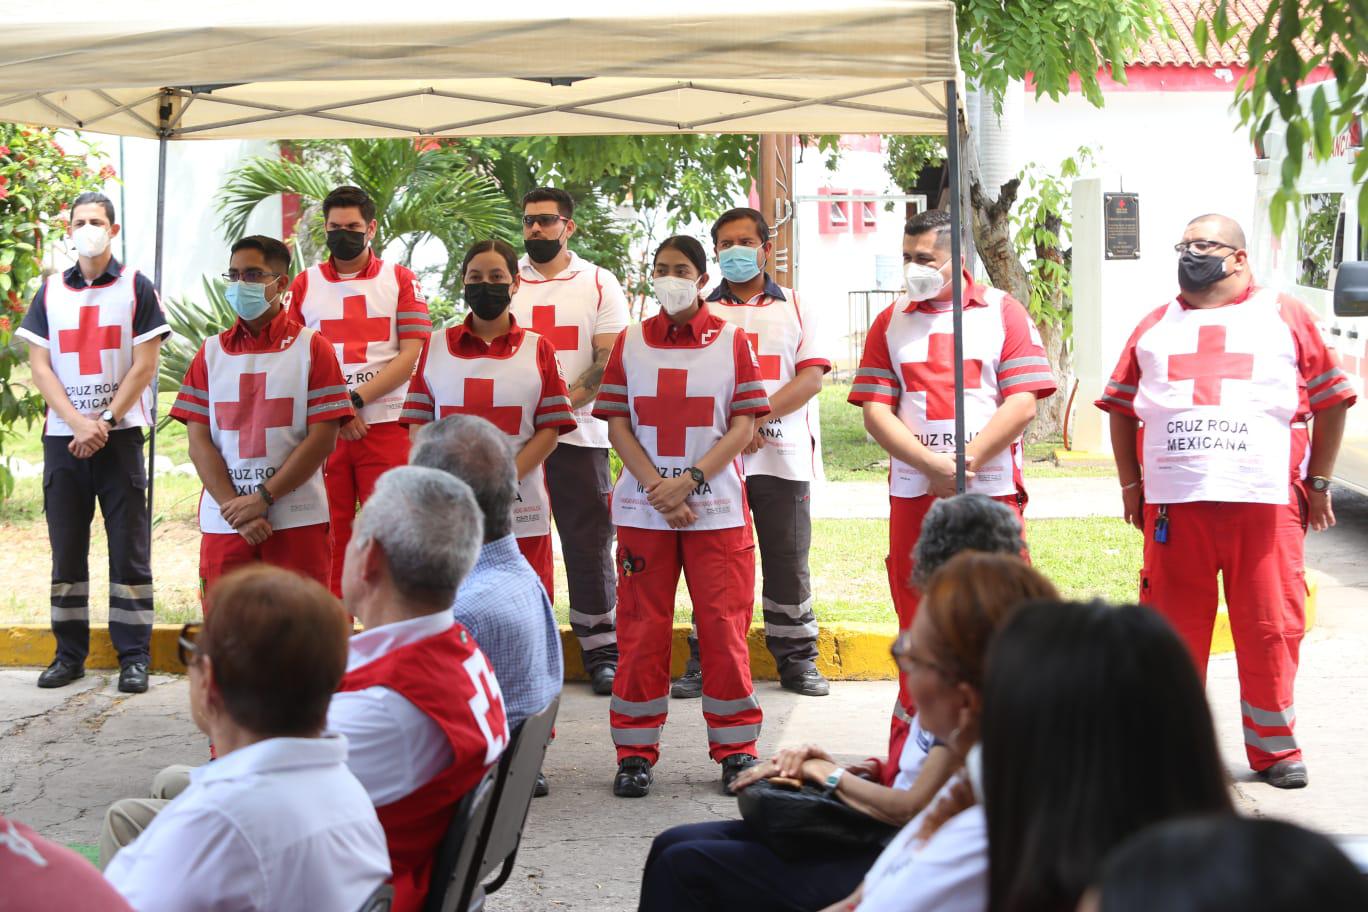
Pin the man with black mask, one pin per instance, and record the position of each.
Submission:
(376, 318)
(581, 309)
(1226, 476)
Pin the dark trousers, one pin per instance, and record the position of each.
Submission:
(782, 510)
(116, 476)
(722, 865)
(579, 482)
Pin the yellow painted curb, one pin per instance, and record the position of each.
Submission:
(845, 652)
(1082, 457)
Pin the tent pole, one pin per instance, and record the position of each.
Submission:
(956, 274)
(157, 280)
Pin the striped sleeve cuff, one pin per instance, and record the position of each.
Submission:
(192, 404)
(1329, 389)
(874, 384)
(329, 403)
(412, 324)
(750, 399)
(554, 412)
(1027, 374)
(1118, 398)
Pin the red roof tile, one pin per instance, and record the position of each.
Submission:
(1181, 50)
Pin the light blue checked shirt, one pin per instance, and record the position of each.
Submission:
(504, 606)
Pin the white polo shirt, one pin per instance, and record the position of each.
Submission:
(280, 824)
(394, 748)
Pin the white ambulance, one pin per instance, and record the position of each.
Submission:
(1307, 258)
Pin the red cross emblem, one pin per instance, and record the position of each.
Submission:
(769, 364)
(544, 323)
(252, 414)
(671, 411)
(1209, 365)
(479, 400)
(936, 376)
(494, 715)
(89, 339)
(355, 330)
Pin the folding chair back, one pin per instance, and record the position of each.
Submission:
(380, 900)
(459, 854)
(520, 766)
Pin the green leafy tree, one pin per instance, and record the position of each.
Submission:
(1294, 38)
(38, 181)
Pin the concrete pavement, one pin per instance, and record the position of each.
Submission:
(65, 755)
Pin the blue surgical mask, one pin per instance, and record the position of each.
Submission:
(248, 299)
(739, 264)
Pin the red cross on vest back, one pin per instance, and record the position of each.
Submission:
(672, 411)
(479, 400)
(252, 414)
(355, 330)
(1209, 365)
(769, 364)
(494, 715)
(89, 339)
(564, 338)
(936, 377)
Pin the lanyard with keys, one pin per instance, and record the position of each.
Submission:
(1161, 524)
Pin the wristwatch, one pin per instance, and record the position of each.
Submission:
(357, 402)
(1318, 483)
(265, 494)
(107, 416)
(696, 474)
(833, 779)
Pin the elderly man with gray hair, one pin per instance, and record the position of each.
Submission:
(502, 603)
(419, 704)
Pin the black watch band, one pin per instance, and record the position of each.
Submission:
(696, 474)
(357, 402)
(1318, 483)
(265, 494)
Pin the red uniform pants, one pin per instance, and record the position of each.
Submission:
(350, 474)
(905, 518)
(537, 550)
(1258, 550)
(719, 568)
(307, 550)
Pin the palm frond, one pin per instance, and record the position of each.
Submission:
(261, 178)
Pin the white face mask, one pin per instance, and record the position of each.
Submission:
(923, 282)
(675, 295)
(91, 240)
(973, 768)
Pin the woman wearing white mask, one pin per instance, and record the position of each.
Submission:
(905, 385)
(681, 393)
(493, 367)
(262, 403)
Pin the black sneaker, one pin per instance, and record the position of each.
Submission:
(633, 779)
(1286, 774)
(732, 766)
(689, 686)
(542, 788)
(133, 678)
(601, 679)
(60, 674)
(809, 683)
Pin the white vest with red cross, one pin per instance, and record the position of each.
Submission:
(505, 392)
(1218, 391)
(258, 416)
(90, 342)
(922, 348)
(680, 402)
(565, 310)
(359, 316)
(775, 332)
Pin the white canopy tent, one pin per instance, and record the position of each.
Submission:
(311, 69)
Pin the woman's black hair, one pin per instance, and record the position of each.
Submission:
(501, 247)
(688, 246)
(1231, 864)
(1095, 725)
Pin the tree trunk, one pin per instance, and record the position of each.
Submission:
(992, 236)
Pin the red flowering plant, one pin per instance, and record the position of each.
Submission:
(38, 181)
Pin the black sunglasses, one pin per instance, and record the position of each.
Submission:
(187, 649)
(545, 220)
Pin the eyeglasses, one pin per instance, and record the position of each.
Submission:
(545, 220)
(903, 656)
(251, 276)
(1201, 247)
(187, 648)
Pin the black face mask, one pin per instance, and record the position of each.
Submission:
(346, 245)
(542, 250)
(487, 300)
(1197, 272)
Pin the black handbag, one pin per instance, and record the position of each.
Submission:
(794, 822)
